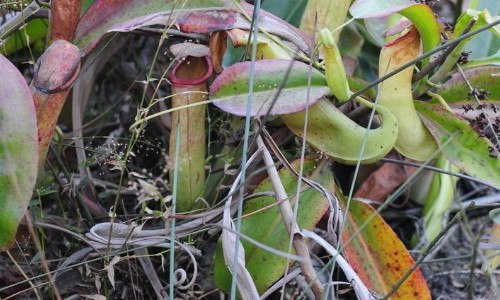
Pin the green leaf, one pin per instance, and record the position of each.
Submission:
(460, 143)
(262, 221)
(439, 199)
(320, 14)
(18, 150)
(486, 78)
(480, 19)
(33, 32)
(230, 90)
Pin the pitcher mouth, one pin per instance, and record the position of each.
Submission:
(175, 80)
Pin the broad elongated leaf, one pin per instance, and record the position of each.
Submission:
(378, 256)
(18, 150)
(230, 90)
(460, 143)
(265, 224)
(456, 89)
(199, 16)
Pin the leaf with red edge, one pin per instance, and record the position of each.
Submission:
(193, 16)
(377, 255)
(18, 150)
(230, 90)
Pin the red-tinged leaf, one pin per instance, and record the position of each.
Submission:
(383, 182)
(462, 145)
(230, 90)
(262, 222)
(18, 150)
(200, 16)
(378, 256)
(457, 89)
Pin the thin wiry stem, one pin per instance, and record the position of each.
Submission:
(172, 220)
(423, 56)
(254, 26)
(435, 169)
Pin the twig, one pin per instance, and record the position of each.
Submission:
(434, 169)
(41, 252)
(19, 20)
(278, 284)
(442, 57)
(20, 269)
(286, 210)
(357, 284)
(475, 245)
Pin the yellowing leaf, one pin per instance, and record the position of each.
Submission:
(378, 256)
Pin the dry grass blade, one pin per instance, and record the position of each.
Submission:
(288, 216)
(150, 272)
(244, 281)
(359, 287)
